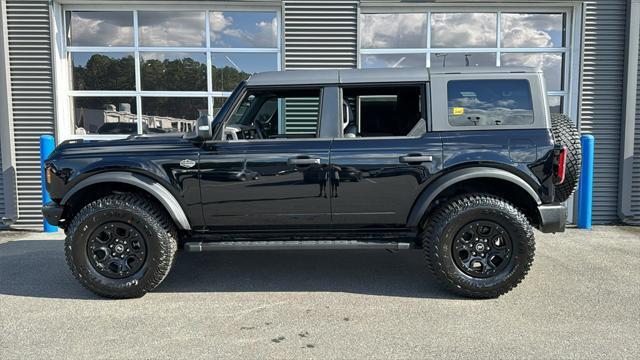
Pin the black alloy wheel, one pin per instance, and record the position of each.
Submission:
(482, 249)
(116, 250)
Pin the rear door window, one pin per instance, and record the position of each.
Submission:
(489, 103)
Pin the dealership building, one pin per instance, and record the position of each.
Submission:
(106, 69)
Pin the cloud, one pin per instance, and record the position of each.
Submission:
(394, 30)
(532, 30)
(172, 28)
(101, 28)
(455, 30)
(256, 29)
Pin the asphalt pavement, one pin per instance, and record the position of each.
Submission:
(580, 300)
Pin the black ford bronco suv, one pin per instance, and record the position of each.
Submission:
(460, 163)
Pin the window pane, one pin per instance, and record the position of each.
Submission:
(243, 29)
(393, 60)
(172, 28)
(384, 31)
(551, 65)
(103, 71)
(556, 104)
(100, 28)
(228, 69)
(379, 111)
(217, 104)
(164, 114)
(489, 102)
(439, 60)
(269, 115)
(458, 30)
(104, 115)
(173, 71)
(532, 30)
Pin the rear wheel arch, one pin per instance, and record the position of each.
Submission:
(103, 184)
(497, 182)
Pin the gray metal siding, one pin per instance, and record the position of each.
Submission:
(320, 34)
(317, 35)
(635, 187)
(602, 94)
(32, 99)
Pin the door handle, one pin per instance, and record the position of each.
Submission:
(304, 161)
(416, 159)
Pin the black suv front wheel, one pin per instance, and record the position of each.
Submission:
(478, 246)
(121, 246)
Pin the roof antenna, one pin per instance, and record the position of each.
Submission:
(444, 58)
(467, 58)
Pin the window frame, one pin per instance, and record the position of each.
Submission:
(64, 94)
(573, 38)
(425, 92)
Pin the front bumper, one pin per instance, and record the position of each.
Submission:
(52, 212)
(553, 218)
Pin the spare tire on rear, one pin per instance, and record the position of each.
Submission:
(565, 133)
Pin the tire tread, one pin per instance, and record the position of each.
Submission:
(435, 226)
(160, 224)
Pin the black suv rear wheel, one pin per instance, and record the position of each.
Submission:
(121, 246)
(478, 246)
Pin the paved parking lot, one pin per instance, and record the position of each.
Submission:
(581, 300)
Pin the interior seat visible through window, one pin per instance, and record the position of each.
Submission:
(383, 112)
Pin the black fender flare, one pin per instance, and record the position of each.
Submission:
(444, 182)
(158, 191)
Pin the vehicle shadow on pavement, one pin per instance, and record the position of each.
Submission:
(37, 268)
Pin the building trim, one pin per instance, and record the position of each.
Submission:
(629, 104)
(8, 171)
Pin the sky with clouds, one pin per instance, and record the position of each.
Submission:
(174, 28)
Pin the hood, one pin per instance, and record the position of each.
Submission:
(129, 146)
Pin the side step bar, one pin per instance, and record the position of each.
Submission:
(294, 245)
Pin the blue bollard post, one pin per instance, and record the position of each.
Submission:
(585, 185)
(47, 144)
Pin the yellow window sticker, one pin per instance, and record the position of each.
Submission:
(458, 111)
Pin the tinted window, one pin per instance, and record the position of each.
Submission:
(244, 29)
(273, 115)
(103, 71)
(382, 112)
(104, 115)
(171, 28)
(100, 28)
(489, 102)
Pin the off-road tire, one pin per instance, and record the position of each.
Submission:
(438, 240)
(565, 133)
(151, 221)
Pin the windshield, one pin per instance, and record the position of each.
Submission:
(227, 104)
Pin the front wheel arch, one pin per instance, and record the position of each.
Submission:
(103, 184)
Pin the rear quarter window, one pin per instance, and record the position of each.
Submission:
(489, 102)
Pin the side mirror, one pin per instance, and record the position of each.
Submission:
(203, 130)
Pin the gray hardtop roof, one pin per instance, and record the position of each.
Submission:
(363, 76)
